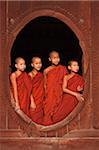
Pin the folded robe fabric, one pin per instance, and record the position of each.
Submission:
(54, 92)
(68, 101)
(24, 88)
(38, 95)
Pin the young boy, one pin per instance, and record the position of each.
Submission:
(37, 89)
(53, 78)
(73, 85)
(21, 87)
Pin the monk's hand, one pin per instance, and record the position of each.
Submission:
(33, 105)
(17, 106)
(79, 97)
(79, 88)
(13, 103)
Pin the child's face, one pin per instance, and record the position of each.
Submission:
(74, 66)
(54, 58)
(37, 64)
(20, 65)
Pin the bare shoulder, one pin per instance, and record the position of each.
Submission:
(30, 74)
(47, 69)
(13, 75)
(67, 77)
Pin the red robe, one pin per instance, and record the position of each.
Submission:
(69, 101)
(54, 92)
(24, 88)
(38, 95)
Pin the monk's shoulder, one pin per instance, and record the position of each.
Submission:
(30, 74)
(61, 66)
(13, 75)
(67, 77)
(46, 70)
(64, 69)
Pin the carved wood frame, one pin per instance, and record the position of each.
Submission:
(76, 30)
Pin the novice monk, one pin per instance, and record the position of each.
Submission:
(54, 75)
(73, 85)
(21, 87)
(37, 90)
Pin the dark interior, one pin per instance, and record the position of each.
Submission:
(42, 35)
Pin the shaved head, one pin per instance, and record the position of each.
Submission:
(52, 53)
(34, 58)
(18, 59)
(71, 61)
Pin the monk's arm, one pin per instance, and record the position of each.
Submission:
(12, 98)
(45, 75)
(11, 94)
(66, 90)
(14, 85)
(80, 87)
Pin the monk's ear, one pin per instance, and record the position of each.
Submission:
(49, 59)
(69, 67)
(32, 64)
(15, 65)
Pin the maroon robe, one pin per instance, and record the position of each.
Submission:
(24, 88)
(38, 95)
(54, 92)
(69, 101)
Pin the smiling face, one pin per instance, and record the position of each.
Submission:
(73, 66)
(20, 64)
(54, 58)
(36, 63)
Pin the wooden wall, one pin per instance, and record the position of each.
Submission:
(82, 17)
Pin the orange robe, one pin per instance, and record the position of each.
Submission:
(54, 92)
(69, 101)
(24, 88)
(38, 95)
